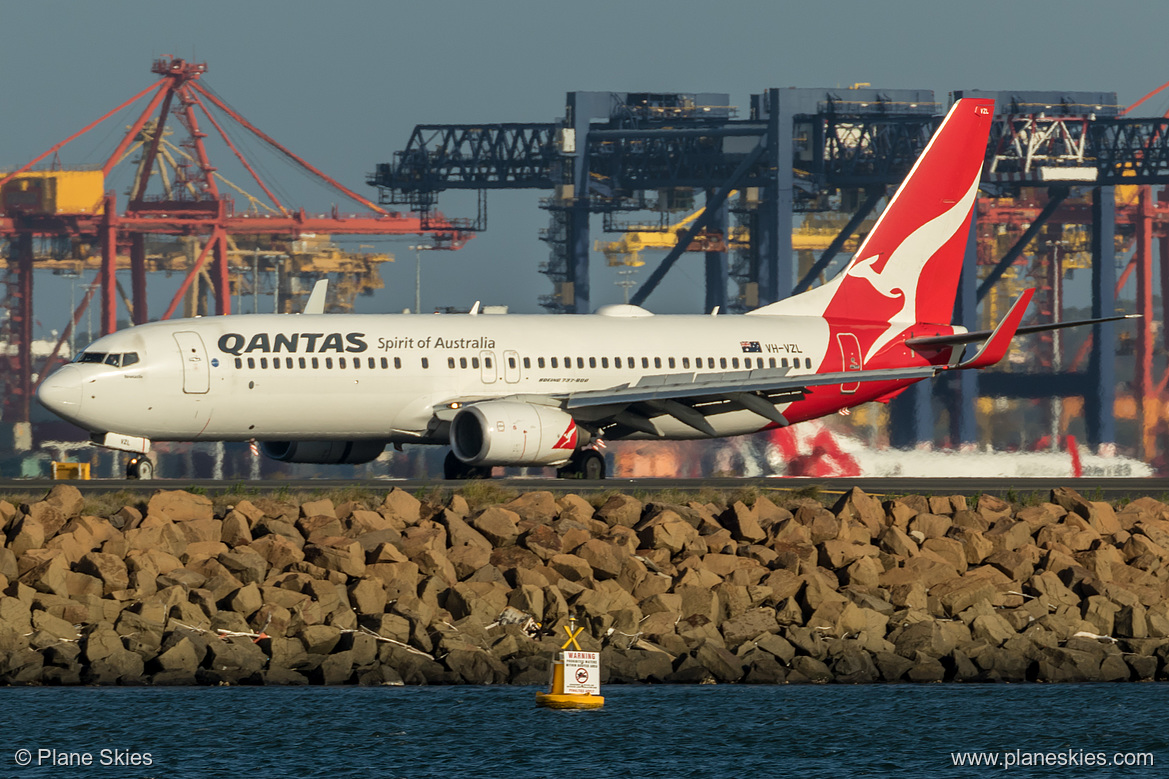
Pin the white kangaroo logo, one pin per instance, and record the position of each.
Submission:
(902, 272)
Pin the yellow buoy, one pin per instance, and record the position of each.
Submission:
(576, 677)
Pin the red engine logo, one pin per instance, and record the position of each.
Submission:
(567, 439)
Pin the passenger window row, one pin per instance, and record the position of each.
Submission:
(290, 363)
(668, 362)
(316, 362)
(474, 362)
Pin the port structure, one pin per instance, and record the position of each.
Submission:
(1075, 181)
(620, 152)
(1055, 163)
(73, 207)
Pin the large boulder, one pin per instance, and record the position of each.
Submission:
(620, 510)
(667, 530)
(318, 508)
(472, 665)
(960, 593)
(25, 534)
(543, 541)
(459, 533)
(401, 505)
(498, 525)
(110, 569)
(536, 507)
(279, 551)
(339, 554)
(743, 523)
(855, 666)
(856, 504)
(722, 664)
(179, 506)
(48, 576)
(748, 625)
(245, 564)
(234, 658)
(48, 516)
(606, 559)
(897, 542)
(319, 526)
(182, 655)
(66, 498)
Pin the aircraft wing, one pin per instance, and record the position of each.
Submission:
(687, 397)
(699, 386)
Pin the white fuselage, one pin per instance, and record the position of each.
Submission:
(353, 377)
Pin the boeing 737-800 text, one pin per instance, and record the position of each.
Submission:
(541, 390)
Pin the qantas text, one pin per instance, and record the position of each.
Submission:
(309, 343)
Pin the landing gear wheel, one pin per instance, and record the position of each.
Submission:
(140, 468)
(588, 464)
(455, 469)
(592, 466)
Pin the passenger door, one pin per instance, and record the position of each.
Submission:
(196, 371)
(850, 356)
(511, 367)
(488, 367)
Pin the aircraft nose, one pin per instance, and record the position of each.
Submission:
(61, 392)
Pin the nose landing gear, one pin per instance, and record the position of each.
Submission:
(140, 467)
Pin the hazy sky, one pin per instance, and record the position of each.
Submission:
(343, 83)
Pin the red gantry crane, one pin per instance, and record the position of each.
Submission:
(75, 205)
(1141, 216)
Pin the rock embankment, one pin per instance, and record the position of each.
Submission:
(407, 591)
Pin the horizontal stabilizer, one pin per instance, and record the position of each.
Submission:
(958, 339)
(999, 342)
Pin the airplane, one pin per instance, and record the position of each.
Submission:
(547, 390)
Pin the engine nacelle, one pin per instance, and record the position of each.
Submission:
(503, 432)
(323, 452)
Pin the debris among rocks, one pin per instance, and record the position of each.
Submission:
(408, 591)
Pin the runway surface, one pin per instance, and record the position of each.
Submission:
(1011, 489)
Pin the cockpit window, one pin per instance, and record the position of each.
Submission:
(109, 358)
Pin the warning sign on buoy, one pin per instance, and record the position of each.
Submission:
(576, 676)
(583, 675)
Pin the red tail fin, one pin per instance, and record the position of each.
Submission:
(907, 269)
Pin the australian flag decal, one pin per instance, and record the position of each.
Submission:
(750, 346)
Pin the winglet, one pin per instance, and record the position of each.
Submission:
(996, 346)
(316, 300)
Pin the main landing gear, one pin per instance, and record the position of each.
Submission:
(454, 468)
(587, 464)
(140, 468)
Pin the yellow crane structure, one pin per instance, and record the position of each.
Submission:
(293, 264)
(814, 234)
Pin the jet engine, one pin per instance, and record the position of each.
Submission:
(323, 452)
(502, 432)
